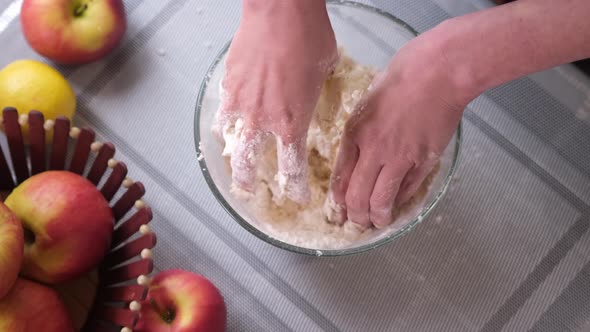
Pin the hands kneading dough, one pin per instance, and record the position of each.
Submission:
(389, 145)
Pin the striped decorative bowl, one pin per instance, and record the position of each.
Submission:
(108, 298)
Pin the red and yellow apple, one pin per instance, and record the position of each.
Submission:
(31, 307)
(67, 225)
(11, 249)
(182, 301)
(73, 31)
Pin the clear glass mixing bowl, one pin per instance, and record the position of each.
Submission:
(371, 37)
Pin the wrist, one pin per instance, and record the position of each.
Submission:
(284, 8)
(293, 21)
(461, 68)
(488, 48)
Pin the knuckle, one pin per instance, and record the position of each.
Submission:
(413, 185)
(230, 85)
(228, 101)
(252, 136)
(384, 192)
(421, 156)
(409, 156)
(252, 121)
(287, 116)
(381, 201)
(361, 219)
(355, 202)
(290, 132)
(372, 150)
(226, 82)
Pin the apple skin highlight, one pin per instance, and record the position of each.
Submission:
(32, 307)
(68, 225)
(182, 301)
(73, 31)
(11, 249)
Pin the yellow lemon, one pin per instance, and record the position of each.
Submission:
(31, 85)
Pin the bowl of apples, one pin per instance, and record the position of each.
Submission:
(75, 242)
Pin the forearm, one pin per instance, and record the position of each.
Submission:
(492, 47)
(281, 10)
(292, 21)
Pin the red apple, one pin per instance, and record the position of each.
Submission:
(73, 31)
(67, 223)
(11, 249)
(182, 301)
(31, 307)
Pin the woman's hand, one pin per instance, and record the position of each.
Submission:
(275, 69)
(393, 141)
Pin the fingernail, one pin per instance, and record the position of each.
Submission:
(401, 202)
(357, 227)
(294, 187)
(379, 225)
(381, 218)
(361, 227)
(241, 193)
(335, 213)
(292, 176)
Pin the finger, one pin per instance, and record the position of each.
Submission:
(226, 114)
(384, 193)
(224, 119)
(360, 187)
(413, 181)
(245, 157)
(377, 81)
(335, 205)
(292, 176)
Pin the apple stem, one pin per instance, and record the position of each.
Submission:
(79, 10)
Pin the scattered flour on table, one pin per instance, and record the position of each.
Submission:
(307, 225)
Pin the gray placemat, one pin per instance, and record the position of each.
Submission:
(506, 250)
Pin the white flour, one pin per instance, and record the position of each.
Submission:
(307, 225)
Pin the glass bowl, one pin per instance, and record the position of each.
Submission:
(371, 37)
